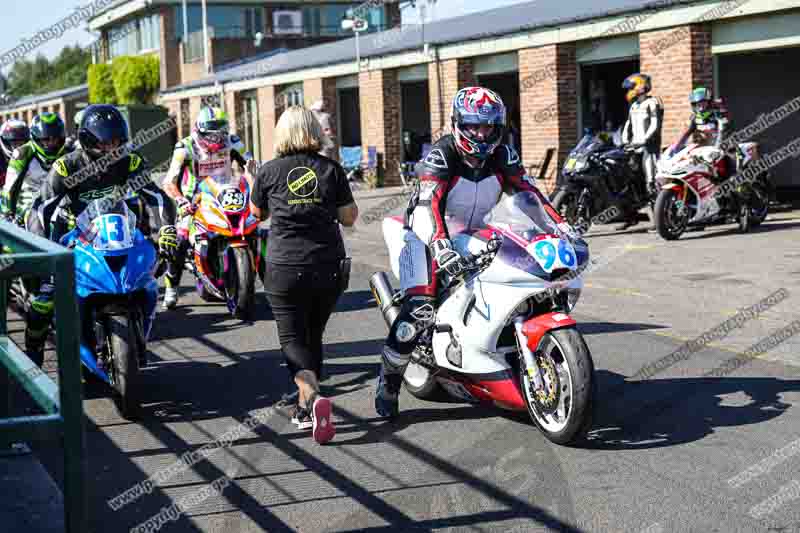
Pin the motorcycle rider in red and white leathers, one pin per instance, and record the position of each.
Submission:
(460, 180)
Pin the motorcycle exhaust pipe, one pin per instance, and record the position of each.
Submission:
(383, 293)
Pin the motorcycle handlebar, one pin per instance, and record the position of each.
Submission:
(471, 260)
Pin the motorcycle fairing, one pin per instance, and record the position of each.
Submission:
(132, 270)
(232, 219)
(678, 171)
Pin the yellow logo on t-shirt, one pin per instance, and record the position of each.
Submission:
(303, 182)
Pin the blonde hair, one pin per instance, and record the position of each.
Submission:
(298, 130)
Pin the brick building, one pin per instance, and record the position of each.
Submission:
(558, 66)
(237, 30)
(65, 103)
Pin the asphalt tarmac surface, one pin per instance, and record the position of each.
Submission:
(678, 451)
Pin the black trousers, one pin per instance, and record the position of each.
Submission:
(302, 301)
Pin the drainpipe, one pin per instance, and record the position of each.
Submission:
(205, 37)
(440, 89)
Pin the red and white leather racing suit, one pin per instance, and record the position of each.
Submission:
(453, 198)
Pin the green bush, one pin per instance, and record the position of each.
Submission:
(101, 84)
(136, 79)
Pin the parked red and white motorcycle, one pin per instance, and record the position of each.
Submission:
(687, 192)
(502, 332)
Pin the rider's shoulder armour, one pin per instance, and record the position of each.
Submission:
(442, 161)
(506, 161)
(70, 163)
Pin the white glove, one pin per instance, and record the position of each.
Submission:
(447, 258)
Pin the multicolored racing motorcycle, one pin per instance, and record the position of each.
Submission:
(226, 243)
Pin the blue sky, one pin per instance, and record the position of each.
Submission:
(22, 19)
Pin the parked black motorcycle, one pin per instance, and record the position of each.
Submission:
(600, 173)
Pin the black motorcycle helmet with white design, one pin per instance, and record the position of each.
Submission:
(103, 129)
(13, 134)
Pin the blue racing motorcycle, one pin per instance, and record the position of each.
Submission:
(117, 293)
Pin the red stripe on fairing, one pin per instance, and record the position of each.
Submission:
(397, 218)
(535, 328)
(514, 237)
(504, 391)
(545, 236)
(484, 233)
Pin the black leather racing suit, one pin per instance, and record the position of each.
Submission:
(68, 189)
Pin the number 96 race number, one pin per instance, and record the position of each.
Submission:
(553, 253)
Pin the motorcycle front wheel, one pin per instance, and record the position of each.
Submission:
(562, 410)
(576, 213)
(240, 284)
(124, 346)
(669, 223)
(420, 382)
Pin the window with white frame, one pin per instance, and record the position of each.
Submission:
(291, 95)
(135, 36)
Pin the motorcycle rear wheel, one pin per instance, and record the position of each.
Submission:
(566, 415)
(758, 205)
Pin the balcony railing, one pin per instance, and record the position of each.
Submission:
(193, 47)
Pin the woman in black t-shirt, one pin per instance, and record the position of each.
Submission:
(307, 196)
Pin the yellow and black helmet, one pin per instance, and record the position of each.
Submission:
(636, 85)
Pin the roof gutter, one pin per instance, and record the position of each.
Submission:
(114, 14)
(441, 47)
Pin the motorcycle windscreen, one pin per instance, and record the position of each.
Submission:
(117, 259)
(533, 241)
(109, 226)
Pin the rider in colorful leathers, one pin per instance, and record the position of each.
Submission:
(708, 125)
(208, 151)
(30, 164)
(461, 180)
(642, 130)
(73, 182)
(13, 134)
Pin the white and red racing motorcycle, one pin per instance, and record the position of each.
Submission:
(502, 332)
(688, 195)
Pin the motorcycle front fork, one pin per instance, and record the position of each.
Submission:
(531, 367)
